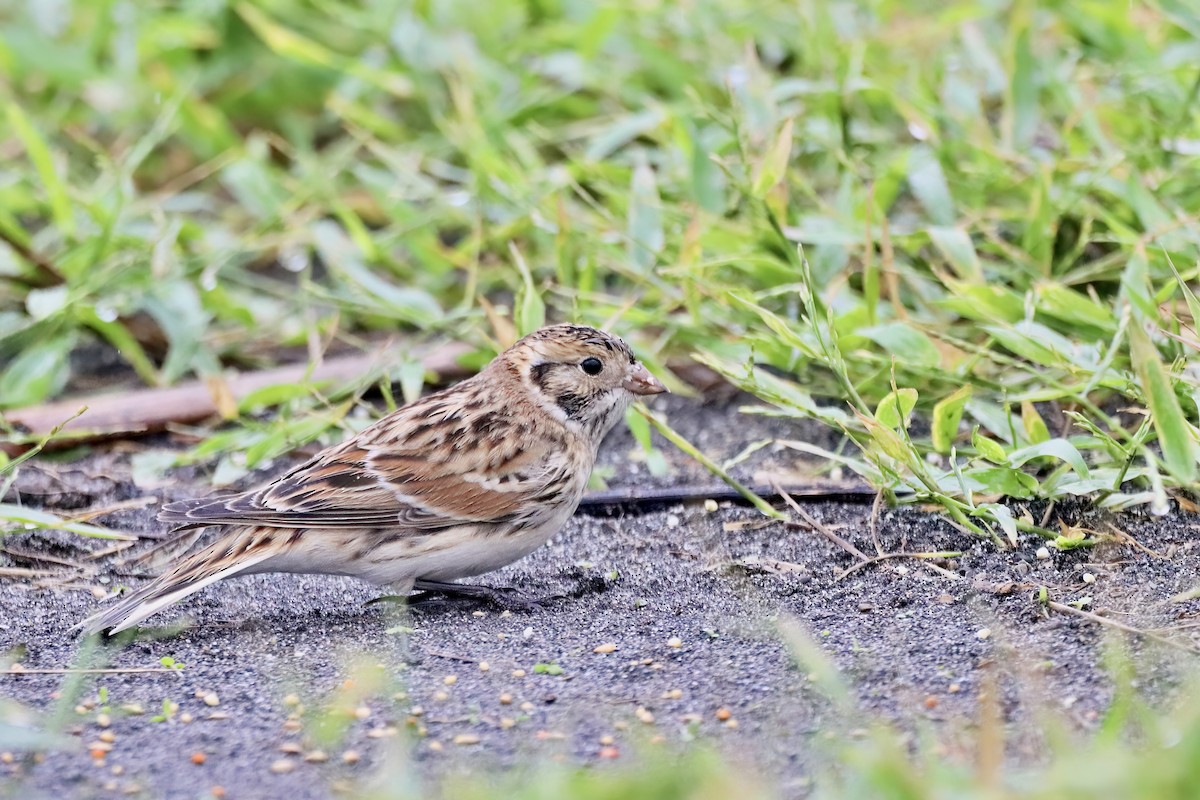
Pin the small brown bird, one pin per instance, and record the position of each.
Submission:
(459, 483)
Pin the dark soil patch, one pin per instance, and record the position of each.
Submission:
(696, 631)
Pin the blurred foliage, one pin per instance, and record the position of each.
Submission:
(1001, 194)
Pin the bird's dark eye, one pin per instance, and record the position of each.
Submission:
(591, 365)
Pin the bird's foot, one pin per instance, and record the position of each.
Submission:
(503, 596)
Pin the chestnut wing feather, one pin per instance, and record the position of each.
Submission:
(443, 461)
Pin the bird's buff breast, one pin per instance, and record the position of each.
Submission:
(462, 551)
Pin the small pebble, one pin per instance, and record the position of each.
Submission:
(507, 722)
(291, 748)
(291, 700)
(211, 699)
(1042, 553)
(450, 680)
(103, 720)
(527, 707)
(484, 666)
(351, 757)
(107, 736)
(983, 633)
(316, 757)
(282, 766)
(724, 713)
(710, 505)
(606, 740)
(607, 647)
(945, 599)
(118, 770)
(185, 717)
(731, 723)
(1089, 577)
(506, 699)
(479, 614)
(518, 673)
(199, 758)
(362, 712)
(955, 688)
(383, 733)
(435, 747)
(644, 715)
(675, 642)
(527, 633)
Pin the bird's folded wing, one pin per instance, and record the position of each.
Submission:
(365, 483)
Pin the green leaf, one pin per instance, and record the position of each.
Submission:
(959, 250)
(34, 518)
(908, 344)
(39, 372)
(988, 449)
(1035, 426)
(39, 154)
(1174, 434)
(1057, 448)
(893, 410)
(1022, 99)
(531, 309)
(639, 426)
(1061, 302)
(644, 226)
(1003, 517)
(947, 415)
(774, 164)
(1004, 481)
(928, 184)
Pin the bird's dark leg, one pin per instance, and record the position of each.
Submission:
(503, 596)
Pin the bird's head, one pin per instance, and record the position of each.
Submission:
(581, 375)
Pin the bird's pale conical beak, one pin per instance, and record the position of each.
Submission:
(642, 382)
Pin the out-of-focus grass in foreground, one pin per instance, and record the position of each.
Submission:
(982, 211)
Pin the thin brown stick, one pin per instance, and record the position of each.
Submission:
(22, 572)
(50, 274)
(874, 522)
(1149, 634)
(41, 557)
(90, 514)
(886, 556)
(812, 523)
(145, 411)
(451, 656)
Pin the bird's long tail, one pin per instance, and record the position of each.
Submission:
(236, 553)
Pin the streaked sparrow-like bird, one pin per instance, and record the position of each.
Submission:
(456, 484)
